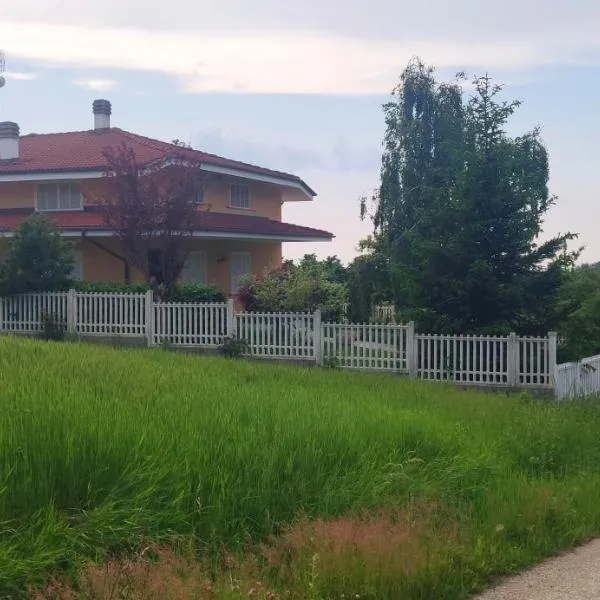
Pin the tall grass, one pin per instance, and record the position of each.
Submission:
(101, 449)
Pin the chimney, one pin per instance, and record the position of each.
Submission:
(9, 140)
(102, 110)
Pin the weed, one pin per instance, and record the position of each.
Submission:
(233, 347)
(52, 327)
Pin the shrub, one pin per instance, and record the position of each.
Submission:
(233, 347)
(39, 260)
(53, 328)
(197, 292)
(185, 292)
(294, 289)
(111, 287)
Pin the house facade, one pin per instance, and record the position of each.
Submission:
(240, 229)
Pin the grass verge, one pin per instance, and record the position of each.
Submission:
(313, 483)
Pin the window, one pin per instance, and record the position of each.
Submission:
(199, 198)
(240, 265)
(194, 270)
(239, 196)
(64, 195)
(77, 272)
(155, 265)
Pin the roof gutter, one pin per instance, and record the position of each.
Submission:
(219, 235)
(96, 173)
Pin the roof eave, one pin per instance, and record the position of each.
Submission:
(223, 235)
(100, 171)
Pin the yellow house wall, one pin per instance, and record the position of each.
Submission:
(99, 266)
(18, 194)
(265, 200)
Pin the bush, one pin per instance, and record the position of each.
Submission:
(53, 328)
(197, 292)
(233, 347)
(294, 289)
(185, 292)
(39, 259)
(110, 287)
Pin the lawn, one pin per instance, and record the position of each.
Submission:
(278, 478)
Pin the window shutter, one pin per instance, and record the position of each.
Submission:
(194, 270)
(240, 264)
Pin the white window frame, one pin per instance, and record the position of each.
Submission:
(247, 204)
(235, 285)
(77, 273)
(58, 184)
(200, 198)
(201, 254)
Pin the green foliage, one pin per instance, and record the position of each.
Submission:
(111, 287)
(460, 208)
(368, 281)
(233, 347)
(53, 328)
(104, 449)
(38, 260)
(578, 309)
(182, 292)
(196, 292)
(305, 287)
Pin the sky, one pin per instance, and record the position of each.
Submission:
(299, 86)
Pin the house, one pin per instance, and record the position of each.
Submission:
(241, 232)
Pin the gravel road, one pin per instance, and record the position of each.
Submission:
(571, 576)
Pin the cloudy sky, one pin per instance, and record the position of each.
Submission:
(299, 86)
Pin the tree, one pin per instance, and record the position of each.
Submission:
(368, 280)
(460, 207)
(578, 308)
(152, 209)
(39, 259)
(330, 268)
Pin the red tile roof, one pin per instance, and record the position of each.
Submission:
(82, 151)
(92, 221)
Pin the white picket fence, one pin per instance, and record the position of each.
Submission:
(486, 360)
(578, 379)
(279, 335)
(468, 360)
(367, 347)
(189, 325)
(109, 314)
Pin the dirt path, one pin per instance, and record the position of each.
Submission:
(571, 576)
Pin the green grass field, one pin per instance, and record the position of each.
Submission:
(373, 484)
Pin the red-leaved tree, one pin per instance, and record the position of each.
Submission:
(152, 209)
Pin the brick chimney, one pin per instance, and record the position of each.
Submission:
(102, 110)
(9, 140)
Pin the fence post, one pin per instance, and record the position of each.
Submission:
(512, 361)
(552, 344)
(2, 314)
(72, 311)
(230, 326)
(317, 337)
(149, 317)
(411, 350)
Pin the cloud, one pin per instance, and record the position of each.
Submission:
(284, 60)
(98, 85)
(20, 76)
(342, 156)
(249, 148)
